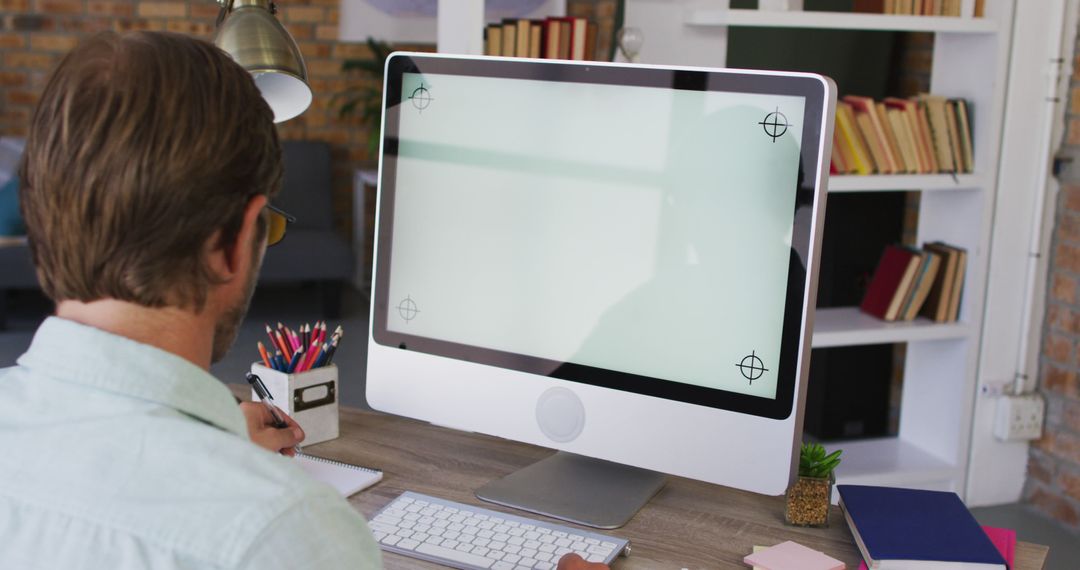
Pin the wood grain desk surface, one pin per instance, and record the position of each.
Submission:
(689, 524)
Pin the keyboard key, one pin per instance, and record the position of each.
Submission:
(560, 552)
(528, 562)
(464, 548)
(455, 555)
(378, 535)
(501, 536)
(497, 545)
(470, 530)
(579, 546)
(599, 550)
(501, 528)
(502, 566)
(419, 536)
(450, 544)
(559, 533)
(512, 549)
(608, 545)
(404, 533)
(422, 528)
(511, 558)
(545, 566)
(516, 540)
(480, 550)
(527, 552)
(486, 525)
(456, 526)
(527, 526)
(543, 556)
(407, 544)
(404, 499)
(515, 532)
(455, 534)
(592, 541)
(481, 541)
(563, 542)
(406, 524)
(421, 502)
(412, 517)
(532, 544)
(547, 548)
(547, 539)
(532, 535)
(391, 540)
(495, 554)
(594, 558)
(387, 528)
(436, 540)
(485, 534)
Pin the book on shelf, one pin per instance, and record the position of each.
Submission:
(909, 282)
(914, 7)
(912, 528)
(926, 134)
(892, 279)
(552, 38)
(943, 303)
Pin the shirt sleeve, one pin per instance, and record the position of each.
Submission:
(321, 532)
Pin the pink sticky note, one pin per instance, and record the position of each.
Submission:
(792, 556)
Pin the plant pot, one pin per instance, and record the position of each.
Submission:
(809, 501)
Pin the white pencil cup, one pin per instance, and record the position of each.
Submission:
(310, 397)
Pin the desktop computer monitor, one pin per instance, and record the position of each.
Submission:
(613, 261)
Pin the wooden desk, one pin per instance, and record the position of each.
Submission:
(689, 524)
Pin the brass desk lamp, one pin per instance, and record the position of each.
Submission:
(249, 32)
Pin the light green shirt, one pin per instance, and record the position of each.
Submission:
(115, 454)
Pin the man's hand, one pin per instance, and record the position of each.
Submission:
(575, 562)
(261, 429)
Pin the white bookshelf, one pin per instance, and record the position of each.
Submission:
(970, 61)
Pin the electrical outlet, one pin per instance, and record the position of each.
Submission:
(1019, 418)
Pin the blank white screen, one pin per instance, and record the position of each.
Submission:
(637, 229)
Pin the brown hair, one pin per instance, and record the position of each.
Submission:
(141, 147)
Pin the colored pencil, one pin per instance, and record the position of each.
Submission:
(279, 360)
(265, 358)
(273, 341)
(316, 351)
(321, 361)
(295, 360)
(333, 348)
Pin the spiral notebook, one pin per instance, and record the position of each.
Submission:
(346, 478)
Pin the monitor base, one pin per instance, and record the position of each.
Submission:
(578, 489)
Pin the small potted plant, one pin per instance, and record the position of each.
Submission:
(809, 497)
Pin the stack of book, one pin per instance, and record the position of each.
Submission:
(910, 282)
(930, 530)
(917, 7)
(553, 38)
(922, 135)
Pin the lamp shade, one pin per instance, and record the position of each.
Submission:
(261, 45)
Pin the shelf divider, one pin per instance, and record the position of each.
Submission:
(838, 20)
(848, 326)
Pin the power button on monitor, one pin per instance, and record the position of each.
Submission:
(560, 414)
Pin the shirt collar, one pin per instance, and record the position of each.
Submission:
(76, 353)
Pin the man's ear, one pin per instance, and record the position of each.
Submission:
(227, 260)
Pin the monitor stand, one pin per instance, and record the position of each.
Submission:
(578, 489)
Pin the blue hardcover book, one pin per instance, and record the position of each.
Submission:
(914, 529)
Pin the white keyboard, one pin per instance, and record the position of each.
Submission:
(468, 537)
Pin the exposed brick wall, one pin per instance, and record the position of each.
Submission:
(1053, 483)
(34, 35)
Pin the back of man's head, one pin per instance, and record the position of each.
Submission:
(141, 148)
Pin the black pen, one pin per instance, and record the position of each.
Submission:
(268, 400)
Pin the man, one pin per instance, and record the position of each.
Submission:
(148, 169)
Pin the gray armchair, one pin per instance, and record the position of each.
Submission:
(312, 251)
